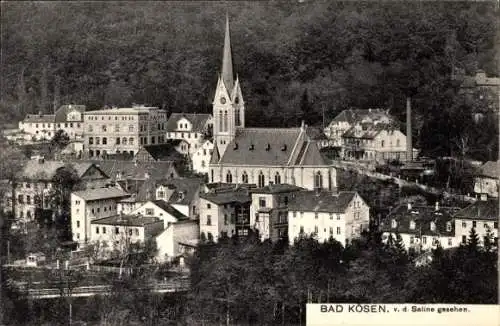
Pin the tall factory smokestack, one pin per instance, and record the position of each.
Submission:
(409, 145)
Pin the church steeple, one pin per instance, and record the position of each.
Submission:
(227, 61)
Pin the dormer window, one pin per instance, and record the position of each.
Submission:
(268, 147)
(252, 146)
(412, 225)
(433, 226)
(394, 224)
(448, 226)
(283, 148)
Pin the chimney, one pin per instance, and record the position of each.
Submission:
(409, 206)
(437, 206)
(303, 125)
(409, 144)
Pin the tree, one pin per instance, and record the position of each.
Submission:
(59, 141)
(473, 241)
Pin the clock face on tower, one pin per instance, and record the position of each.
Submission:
(223, 100)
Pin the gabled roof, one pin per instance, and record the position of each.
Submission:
(276, 188)
(169, 209)
(101, 193)
(313, 201)
(422, 216)
(480, 210)
(370, 131)
(198, 121)
(312, 155)
(41, 118)
(137, 170)
(45, 170)
(240, 196)
(239, 150)
(62, 112)
(185, 189)
(163, 152)
(352, 116)
(128, 220)
(490, 169)
(215, 155)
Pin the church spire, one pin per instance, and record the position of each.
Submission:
(227, 61)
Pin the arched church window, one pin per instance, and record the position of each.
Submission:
(244, 177)
(220, 121)
(261, 180)
(237, 118)
(229, 177)
(318, 180)
(225, 121)
(277, 178)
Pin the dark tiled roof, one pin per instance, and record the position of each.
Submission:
(33, 169)
(43, 118)
(128, 220)
(101, 193)
(490, 169)
(185, 189)
(315, 133)
(164, 152)
(198, 121)
(226, 197)
(276, 188)
(484, 210)
(132, 170)
(355, 115)
(422, 216)
(312, 201)
(62, 112)
(312, 155)
(215, 155)
(370, 132)
(169, 209)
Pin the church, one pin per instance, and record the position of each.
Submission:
(260, 156)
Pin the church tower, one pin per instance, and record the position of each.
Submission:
(228, 105)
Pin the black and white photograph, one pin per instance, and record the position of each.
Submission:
(280, 162)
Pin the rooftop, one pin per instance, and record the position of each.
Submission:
(101, 193)
(197, 120)
(169, 209)
(45, 169)
(132, 110)
(128, 220)
(185, 189)
(352, 116)
(313, 201)
(62, 112)
(43, 118)
(276, 188)
(480, 210)
(490, 169)
(240, 196)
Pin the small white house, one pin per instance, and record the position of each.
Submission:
(201, 157)
(35, 259)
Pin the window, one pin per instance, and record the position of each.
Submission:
(450, 241)
(225, 219)
(464, 239)
(424, 240)
(277, 178)
(202, 164)
(90, 128)
(397, 142)
(318, 180)
(495, 225)
(130, 232)
(28, 199)
(124, 140)
(229, 177)
(433, 226)
(294, 214)
(150, 211)
(209, 206)
(91, 140)
(28, 185)
(131, 128)
(244, 177)
(338, 229)
(20, 199)
(78, 236)
(382, 143)
(464, 225)
(117, 127)
(394, 224)
(96, 230)
(331, 231)
(301, 229)
(262, 202)
(473, 224)
(118, 141)
(209, 220)
(315, 229)
(412, 225)
(104, 230)
(412, 240)
(97, 140)
(136, 231)
(77, 224)
(486, 226)
(104, 141)
(117, 230)
(316, 215)
(261, 180)
(331, 216)
(338, 217)
(104, 128)
(153, 139)
(131, 141)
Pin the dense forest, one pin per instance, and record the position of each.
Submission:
(295, 59)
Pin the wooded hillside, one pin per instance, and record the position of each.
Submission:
(294, 59)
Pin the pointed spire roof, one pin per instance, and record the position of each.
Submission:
(227, 61)
(215, 155)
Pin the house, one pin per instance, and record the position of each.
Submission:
(342, 216)
(34, 183)
(225, 212)
(421, 227)
(375, 142)
(119, 130)
(38, 126)
(482, 216)
(269, 210)
(486, 180)
(182, 193)
(260, 155)
(172, 241)
(201, 157)
(190, 129)
(121, 170)
(347, 119)
(91, 204)
(161, 209)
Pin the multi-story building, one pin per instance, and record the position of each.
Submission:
(381, 142)
(225, 212)
(347, 119)
(482, 216)
(201, 157)
(191, 128)
(342, 216)
(486, 180)
(161, 209)
(182, 193)
(260, 155)
(269, 210)
(92, 204)
(421, 227)
(68, 118)
(34, 184)
(123, 130)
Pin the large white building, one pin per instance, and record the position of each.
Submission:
(92, 204)
(260, 155)
(201, 157)
(190, 128)
(342, 216)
